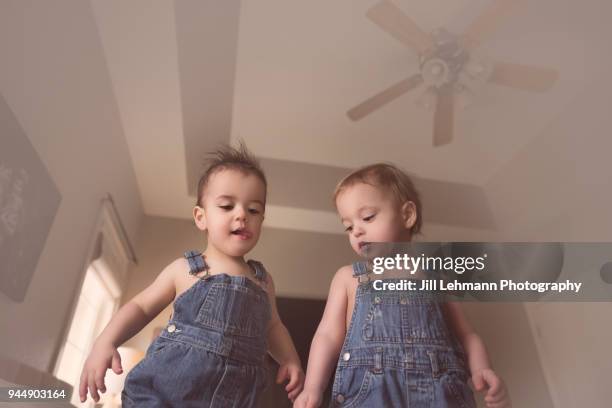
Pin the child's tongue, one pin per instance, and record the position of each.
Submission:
(241, 233)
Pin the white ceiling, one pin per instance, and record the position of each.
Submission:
(301, 65)
(281, 75)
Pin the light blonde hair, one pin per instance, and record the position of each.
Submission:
(390, 178)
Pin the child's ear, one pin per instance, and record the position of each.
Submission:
(199, 217)
(409, 214)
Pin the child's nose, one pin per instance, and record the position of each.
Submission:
(358, 231)
(241, 214)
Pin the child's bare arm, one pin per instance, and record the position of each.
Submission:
(478, 358)
(282, 349)
(327, 340)
(128, 321)
(143, 307)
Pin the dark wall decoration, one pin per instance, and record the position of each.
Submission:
(29, 200)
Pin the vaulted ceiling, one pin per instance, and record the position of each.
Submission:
(280, 75)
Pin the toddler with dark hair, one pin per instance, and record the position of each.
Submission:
(212, 351)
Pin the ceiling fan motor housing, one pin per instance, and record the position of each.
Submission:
(443, 65)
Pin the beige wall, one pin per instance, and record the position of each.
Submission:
(54, 80)
(504, 327)
(558, 188)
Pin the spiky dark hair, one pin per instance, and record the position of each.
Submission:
(227, 157)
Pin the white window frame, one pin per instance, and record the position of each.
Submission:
(110, 256)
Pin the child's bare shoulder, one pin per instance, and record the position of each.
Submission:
(344, 277)
(178, 270)
(174, 270)
(345, 272)
(163, 289)
(341, 293)
(178, 266)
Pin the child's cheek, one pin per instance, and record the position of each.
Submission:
(354, 244)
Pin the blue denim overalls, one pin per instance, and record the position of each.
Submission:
(211, 354)
(399, 352)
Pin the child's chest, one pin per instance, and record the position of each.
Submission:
(185, 282)
(230, 305)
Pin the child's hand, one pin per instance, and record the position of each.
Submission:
(102, 356)
(497, 396)
(308, 399)
(292, 372)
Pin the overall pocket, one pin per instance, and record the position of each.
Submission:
(234, 309)
(353, 386)
(402, 319)
(455, 385)
(423, 322)
(158, 345)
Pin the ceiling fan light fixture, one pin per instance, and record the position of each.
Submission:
(478, 68)
(427, 100)
(435, 72)
(464, 97)
(475, 70)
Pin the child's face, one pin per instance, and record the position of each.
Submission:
(370, 214)
(233, 211)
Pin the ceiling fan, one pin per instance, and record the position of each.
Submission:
(450, 68)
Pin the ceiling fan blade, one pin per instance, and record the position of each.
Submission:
(444, 116)
(487, 22)
(393, 20)
(526, 77)
(384, 97)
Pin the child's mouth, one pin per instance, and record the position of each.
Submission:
(241, 233)
(363, 245)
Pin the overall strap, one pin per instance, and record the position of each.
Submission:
(360, 271)
(196, 261)
(363, 272)
(260, 271)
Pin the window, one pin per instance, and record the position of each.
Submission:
(94, 309)
(105, 276)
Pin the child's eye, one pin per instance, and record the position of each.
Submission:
(369, 217)
(254, 211)
(226, 207)
(348, 229)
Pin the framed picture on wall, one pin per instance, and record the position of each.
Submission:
(29, 200)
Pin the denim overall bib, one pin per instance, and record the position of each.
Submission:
(211, 353)
(399, 352)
